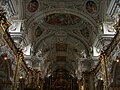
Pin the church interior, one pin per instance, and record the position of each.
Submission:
(59, 44)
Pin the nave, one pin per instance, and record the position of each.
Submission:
(59, 44)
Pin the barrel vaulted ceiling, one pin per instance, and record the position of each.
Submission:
(61, 32)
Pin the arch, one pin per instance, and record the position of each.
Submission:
(44, 13)
(6, 66)
(74, 36)
(114, 72)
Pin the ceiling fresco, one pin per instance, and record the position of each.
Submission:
(33, 6)
(62, 19)
(61, 47)
(91, 7)
(38, 32)
(85, 32)
(61, 58)
(63, 30)
(60, 35)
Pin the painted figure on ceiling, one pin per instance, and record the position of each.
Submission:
(33, 5)
(91, 7)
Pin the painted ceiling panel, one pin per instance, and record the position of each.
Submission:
(62, 19)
